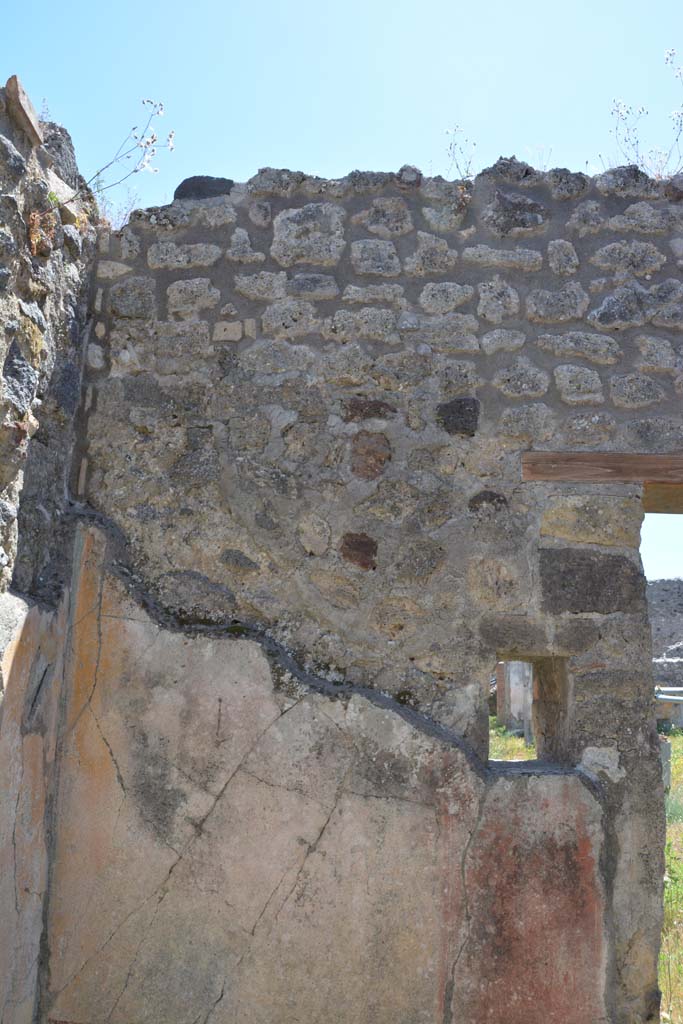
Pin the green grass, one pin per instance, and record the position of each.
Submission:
(671, 955)
(505, 746)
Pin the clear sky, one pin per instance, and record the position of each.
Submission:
(329, 87)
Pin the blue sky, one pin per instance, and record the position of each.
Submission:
(371, 84)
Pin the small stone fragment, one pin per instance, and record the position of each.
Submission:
(449, 332)
(96, 360)
(227, 331)
(497, 300)
(625, 307)
(370, 324)
(562, 257)
(578, 385)
(314, 534)
(590, 429)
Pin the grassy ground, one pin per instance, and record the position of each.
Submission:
(671, 956)
(505, 746)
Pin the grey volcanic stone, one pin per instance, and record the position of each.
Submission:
(459, 416)
(203, 186)
(511, 214)
(574, 580)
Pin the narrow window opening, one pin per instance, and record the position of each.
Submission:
(528, 711)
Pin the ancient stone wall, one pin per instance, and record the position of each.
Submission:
(304, 544)
(44, 283)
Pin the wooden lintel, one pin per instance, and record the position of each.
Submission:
(666, 498)
(603, 467)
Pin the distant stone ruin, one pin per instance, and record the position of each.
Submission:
(287, 467)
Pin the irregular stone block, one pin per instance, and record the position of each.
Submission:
(666, 304)
(188, 299)
(262, 286)
(370, 453)
(108, 270)
(505, 259)
(134, 297)
(226, 331)
(646, 219)
(313, 233)
(169, 256)
(522, 380)
(370, 324)
(444, 296)
(313, 286)
(585, 519)
(625, 307)
(566, 184)
(357, 409)
(290, 318)
(587, 218)
(260, 214)
(432, 256)
(657, 355)
(240, 250)
(528, 422)
(501, 340)
(627, 181)
(459, 416)
(391, 293)
(372, 256)
(637, 258)
(590, 429)
(635, 391)
(450, 332)
(461, 375)
(593, 347)
(562, 257)
(497, 300)
(585, 581)
(203, 186)
(510, 214)
(22, 111)
(386, 218)
(546, 307)
(578, 385)
(359, 548)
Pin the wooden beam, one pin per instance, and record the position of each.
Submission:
(603, 467)
(666, 498)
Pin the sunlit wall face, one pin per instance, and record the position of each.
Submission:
(661, 546)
